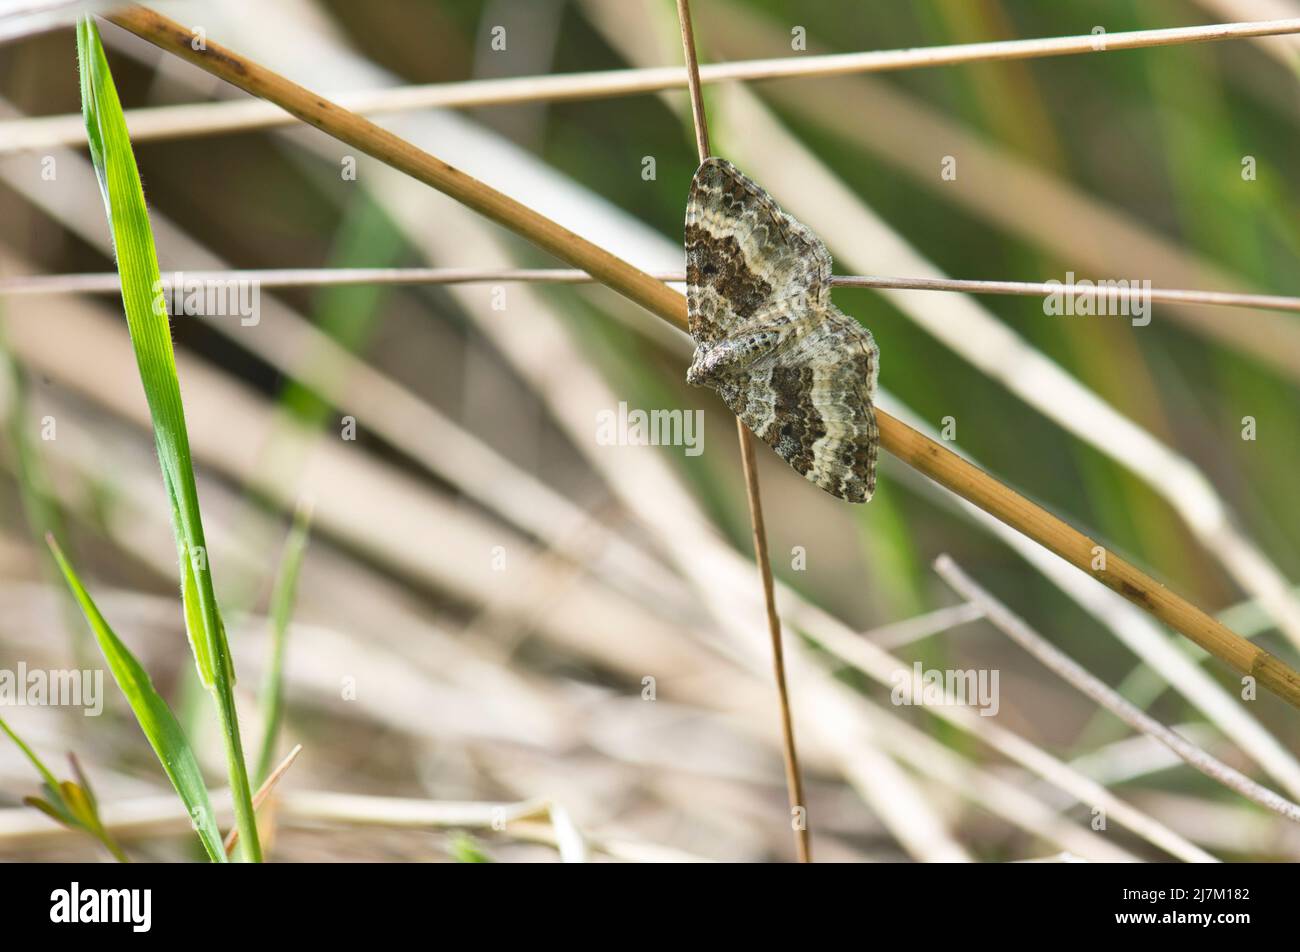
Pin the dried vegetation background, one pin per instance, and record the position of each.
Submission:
(426, 682)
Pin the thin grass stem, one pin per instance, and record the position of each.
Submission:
(263, 793)
(1062, 664)
(103, 283)
(199, 119)
(793, 777)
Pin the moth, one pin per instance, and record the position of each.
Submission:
(796, 370)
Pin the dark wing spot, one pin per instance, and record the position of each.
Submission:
(796, 423)
(721, 265)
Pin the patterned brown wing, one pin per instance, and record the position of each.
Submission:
(811, 400)
(743, 253)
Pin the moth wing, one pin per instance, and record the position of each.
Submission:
(813, 402)
(744, 254)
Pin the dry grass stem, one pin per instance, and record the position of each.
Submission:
(210, 118)
(1018, 631)
(920, 627)
(264, 791)
(882, 667)
(793, 776)
(340, 277)
(1139, 632)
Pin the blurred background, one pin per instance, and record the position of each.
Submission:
(495, 606)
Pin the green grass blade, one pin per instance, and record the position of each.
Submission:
(282, 601)
(465, 849)
(154, 716)
(146, 315)
(137, 263)
(46, 774)
(39, 504)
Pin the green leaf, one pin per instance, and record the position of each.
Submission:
(150, 329)
(282, 600)
(70, 803)
(146, 315)
(50, 810)
(154, 716)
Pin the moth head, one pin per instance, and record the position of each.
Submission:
(697, 374)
